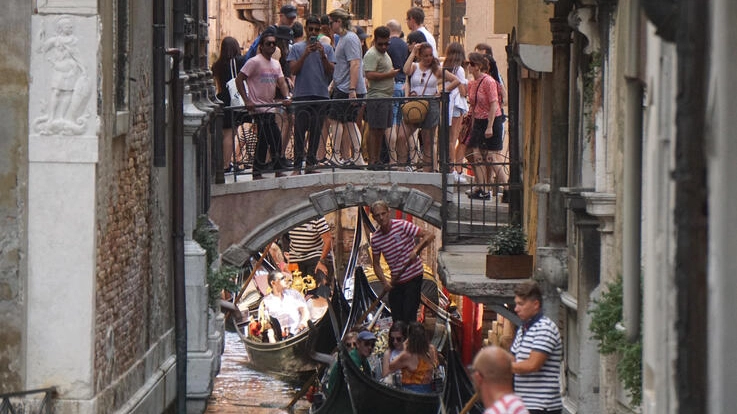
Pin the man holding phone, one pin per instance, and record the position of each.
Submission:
(312, 63)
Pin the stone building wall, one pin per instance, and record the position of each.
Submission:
(134, 313)
(14, 30)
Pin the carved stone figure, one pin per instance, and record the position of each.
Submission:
(63, 112)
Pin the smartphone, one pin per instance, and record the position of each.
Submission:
(313, 39)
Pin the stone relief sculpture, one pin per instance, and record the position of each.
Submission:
(64, 109)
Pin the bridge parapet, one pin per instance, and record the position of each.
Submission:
(252, 213)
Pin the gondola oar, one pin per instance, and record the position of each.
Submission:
(371, 308)
(470, 403)
(301, 393)
(248, 279)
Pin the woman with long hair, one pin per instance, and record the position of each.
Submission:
(417, 361)
(423, 78)
(397, 336)
(230, 51)
(455, 55)
(485, 137)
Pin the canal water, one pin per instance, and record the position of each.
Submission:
(239, 389)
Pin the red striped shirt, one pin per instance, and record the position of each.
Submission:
(396, 246)
(509, 404)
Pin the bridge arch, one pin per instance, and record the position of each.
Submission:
(325, 200)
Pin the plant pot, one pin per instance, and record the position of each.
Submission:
(508, 267)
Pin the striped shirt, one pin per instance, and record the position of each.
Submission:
(305, 240)
(509, 404)
(539, 390)
(396, 246)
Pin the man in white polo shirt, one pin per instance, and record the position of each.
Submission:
(538, 351)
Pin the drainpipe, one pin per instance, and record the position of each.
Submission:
(176, 91)
(632, 200)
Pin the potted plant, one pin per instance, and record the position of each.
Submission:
(508, 258)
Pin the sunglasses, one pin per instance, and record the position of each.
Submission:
(313, 29)
(422, 80)
(350, 344)
(269, 44)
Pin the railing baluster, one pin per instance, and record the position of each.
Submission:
(7, 406)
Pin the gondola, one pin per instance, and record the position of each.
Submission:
(292, 359)
(357, 393)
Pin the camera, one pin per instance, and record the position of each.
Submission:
(313, 39)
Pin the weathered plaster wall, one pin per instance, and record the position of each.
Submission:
(14, 71)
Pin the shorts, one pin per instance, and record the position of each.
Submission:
(478, 138)
(342, 111)
(379, 114)
(459, 112)
(398, 93)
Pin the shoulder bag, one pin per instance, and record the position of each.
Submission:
(414, 112)
(235, 97)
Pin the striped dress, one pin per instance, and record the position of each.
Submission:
(539, 390)
(396, 246)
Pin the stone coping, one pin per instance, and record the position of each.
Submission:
(462, 270)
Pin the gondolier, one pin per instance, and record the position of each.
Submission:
(395, 239)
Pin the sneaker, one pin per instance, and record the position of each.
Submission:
(479, 195)
(461, 179)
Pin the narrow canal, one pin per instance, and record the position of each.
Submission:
(238, 389)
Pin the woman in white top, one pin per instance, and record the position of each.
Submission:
(397, 336)
(455, 55)
(422, 79)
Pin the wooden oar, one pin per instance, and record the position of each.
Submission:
(248, 279)
(470, 403)
(370, 309)
(301, 393)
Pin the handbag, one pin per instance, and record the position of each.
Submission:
(235, 97)
(414, 112)
(467, 123)
(466, 126)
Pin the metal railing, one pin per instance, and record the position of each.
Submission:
(308, 137)
(15, 402)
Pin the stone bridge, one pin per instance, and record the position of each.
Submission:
(252, 213)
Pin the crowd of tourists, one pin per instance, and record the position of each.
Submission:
(292, 71)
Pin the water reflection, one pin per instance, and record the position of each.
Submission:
(239, 389)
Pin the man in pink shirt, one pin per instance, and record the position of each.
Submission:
(493, 378)
(263, 75)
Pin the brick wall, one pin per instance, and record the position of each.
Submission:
(123, 251)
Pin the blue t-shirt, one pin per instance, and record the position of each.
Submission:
(311, 79)
(349, 48)
(399, 52)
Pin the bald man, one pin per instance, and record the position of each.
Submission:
(493, 378)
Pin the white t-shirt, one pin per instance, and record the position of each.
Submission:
(286, 308)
